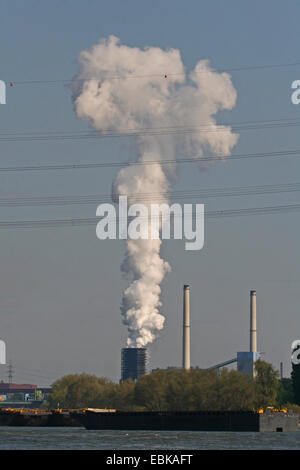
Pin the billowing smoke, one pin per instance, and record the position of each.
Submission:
(127, 89)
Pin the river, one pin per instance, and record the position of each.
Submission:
(21, 438)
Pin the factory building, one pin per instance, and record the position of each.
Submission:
(246, 362)
(133, 363)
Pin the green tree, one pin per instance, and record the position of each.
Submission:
(185, 389)
(266, 384)
(285, 392)
(234, 391)
(150, 391)
(59, 391)
(121, 396)
(206, 390)
(181, 390)
(80, 391)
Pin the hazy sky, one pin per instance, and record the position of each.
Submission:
(61, 288)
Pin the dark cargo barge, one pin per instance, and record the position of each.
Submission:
(94, 419)
(39, 418)
(239, 421)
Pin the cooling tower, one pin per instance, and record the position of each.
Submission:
(186, 341)
(133, 363)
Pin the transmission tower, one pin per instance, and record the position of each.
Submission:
(10, 372)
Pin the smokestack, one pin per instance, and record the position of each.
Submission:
(186, 343)
(2, 352)
(253, 332)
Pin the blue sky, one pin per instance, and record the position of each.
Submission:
(61, 288)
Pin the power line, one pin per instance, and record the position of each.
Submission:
(195, 159)
(163, 75)
(93, 220)
(25, 374)
(200, 125)
(145, 132)
(151, 196)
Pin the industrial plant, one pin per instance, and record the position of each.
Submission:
(134, 361)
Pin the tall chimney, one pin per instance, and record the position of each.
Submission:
(253, 332)
(186, 343)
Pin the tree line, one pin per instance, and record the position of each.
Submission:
(176, 390)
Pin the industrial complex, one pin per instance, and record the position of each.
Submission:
(134, 361)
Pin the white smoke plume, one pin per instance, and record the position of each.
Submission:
(126, 88)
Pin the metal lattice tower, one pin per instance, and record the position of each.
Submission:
(10, 372)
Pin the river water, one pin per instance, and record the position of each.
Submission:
(22, 438)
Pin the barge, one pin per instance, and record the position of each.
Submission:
(238, 421)
(40, 418)
(103, 419)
